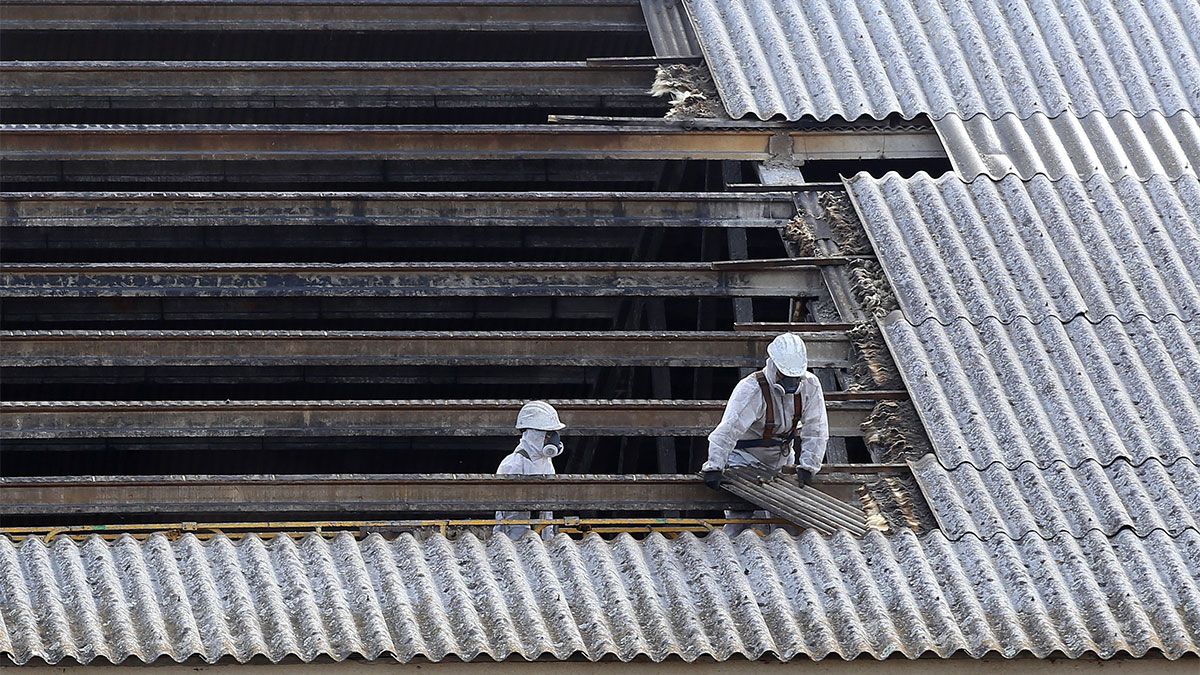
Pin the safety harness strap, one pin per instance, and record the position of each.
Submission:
(769, 403)
(769, 439)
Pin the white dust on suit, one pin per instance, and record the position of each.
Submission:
(536, 461)
(744, 418)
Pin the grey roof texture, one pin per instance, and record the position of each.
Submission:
(1038, 248)
(1048, 392)
(657, 598)
(876, 58)
(1061, 499)
(1066, 145)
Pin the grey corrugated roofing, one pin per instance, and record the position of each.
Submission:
(1059, 498)
(1037, 248)
(654, 598)
(671, 32)
(1113, 147)
(853, 58)
(1047, 392)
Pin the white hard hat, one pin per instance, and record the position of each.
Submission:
(539, 415)
(789, 354)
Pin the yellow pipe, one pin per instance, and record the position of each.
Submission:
(331, 528)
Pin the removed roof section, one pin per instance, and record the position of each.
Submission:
(838, 58)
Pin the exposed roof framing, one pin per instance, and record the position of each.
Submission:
(376, 494)
(305, 84)
(309, 348)
(475, 142)
(163, 419)
(498, 16)
(425, 209)
(405, 280)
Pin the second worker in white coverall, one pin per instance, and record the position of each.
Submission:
(539, 426)
(768, 412)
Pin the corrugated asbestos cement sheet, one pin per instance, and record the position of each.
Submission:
(1056, 147)
(1048, 392)
(670, 30)
(1062, 499)
(1010, 248)
(653, 598)
(850, 58)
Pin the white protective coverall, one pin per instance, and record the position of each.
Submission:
(744, 418)
(530, 458)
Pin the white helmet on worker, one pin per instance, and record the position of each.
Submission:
(539, 415)
(789, 354)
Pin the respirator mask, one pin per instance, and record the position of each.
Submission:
(790, 385)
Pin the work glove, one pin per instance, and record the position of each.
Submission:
(712, 478)
(805, 476)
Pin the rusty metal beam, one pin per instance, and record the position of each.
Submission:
(475, 142)
(65, 280)
(420, 209)
(392, 348)
(323, 16)
(146, 419)
(309, 84)
(366, 494)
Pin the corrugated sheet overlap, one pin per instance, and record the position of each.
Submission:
(854, 58)
(656, 598)
(1037, 248)
(1062, 499)
(1048, 392)
(1066, 145)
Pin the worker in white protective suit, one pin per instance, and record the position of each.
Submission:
(767, 412)
(539, 426)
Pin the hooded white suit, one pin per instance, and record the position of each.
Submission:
(530, 458)
(744, 419)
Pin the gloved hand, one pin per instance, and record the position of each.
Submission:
(805, 476)
(712, 478)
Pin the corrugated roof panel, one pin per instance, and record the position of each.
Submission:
(826, 58)
(1034, 249)
(1048, 392)
(671, 32)
(785, 497)
(1061, 499)
(1055, 147)
(652, 598)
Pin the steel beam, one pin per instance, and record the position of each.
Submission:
(474, 142)
(64, 280)
(365, 494)
(147, 419)
(395, 209)
(322, 16)
(267, 84)
(403, 348)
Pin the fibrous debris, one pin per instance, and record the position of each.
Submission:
(691, 89)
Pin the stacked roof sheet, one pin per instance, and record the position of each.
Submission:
(655, 598)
